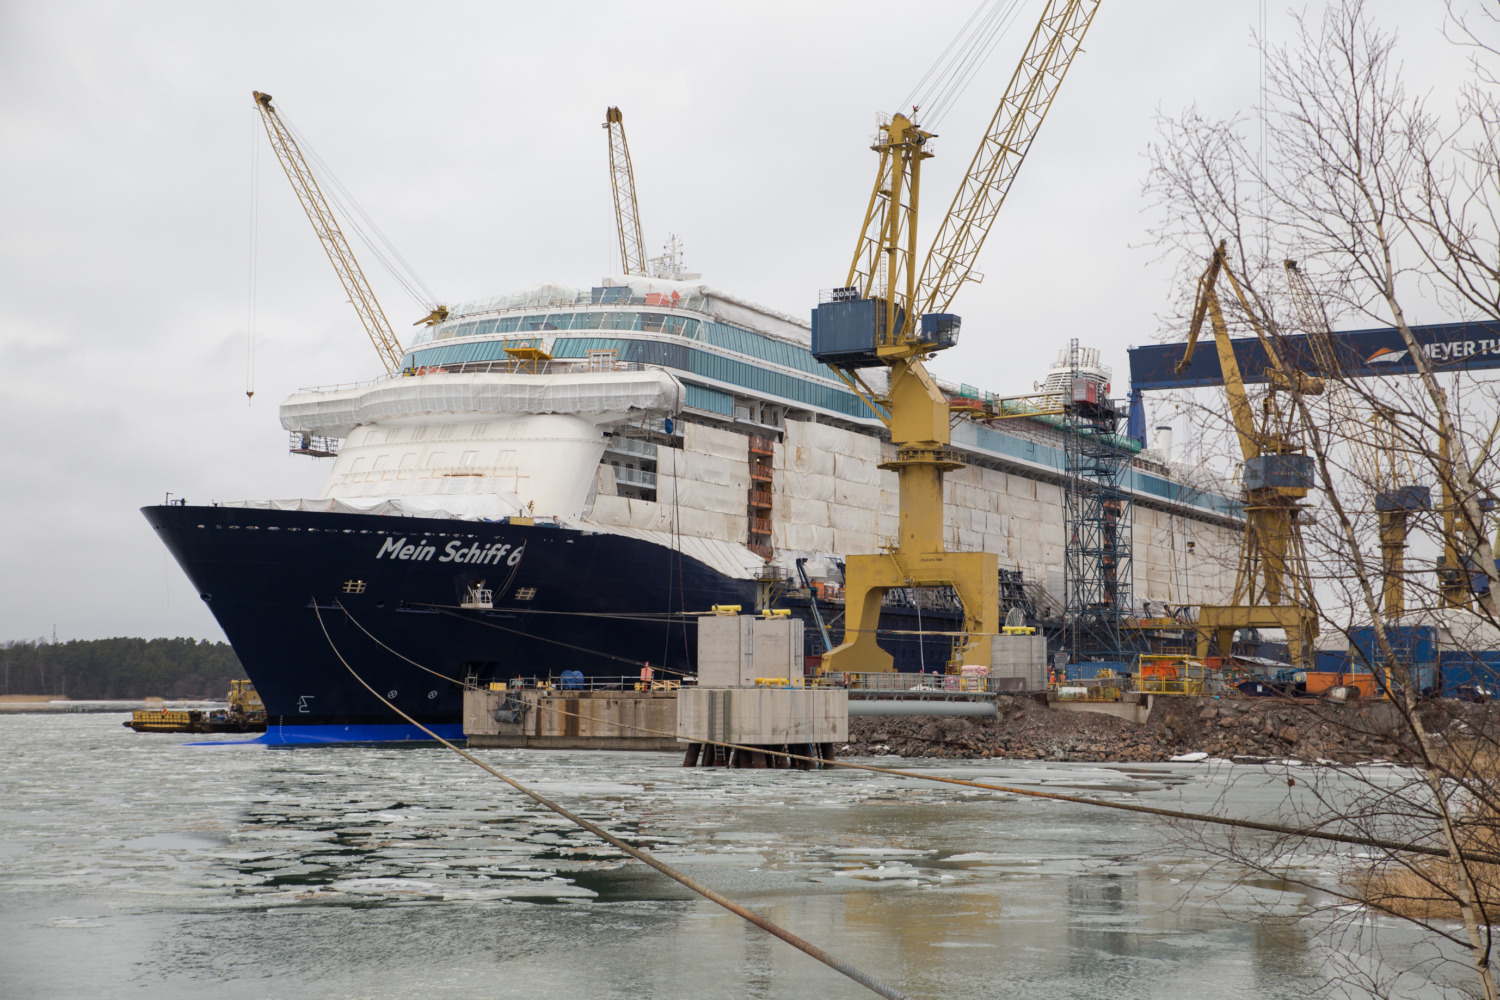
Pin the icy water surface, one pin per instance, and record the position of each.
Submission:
(132, 865)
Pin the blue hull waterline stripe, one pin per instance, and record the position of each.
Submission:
(379, 733)
(294, 736)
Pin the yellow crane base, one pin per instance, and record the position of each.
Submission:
(1219, 623)
(973, 575)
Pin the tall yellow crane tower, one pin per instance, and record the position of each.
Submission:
(325, 225)
(622, 181)
(1374, 455)
(1271, 585)
(891, 314)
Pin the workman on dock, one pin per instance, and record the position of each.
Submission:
(646, 674)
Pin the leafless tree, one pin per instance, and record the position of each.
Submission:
(1369, 188)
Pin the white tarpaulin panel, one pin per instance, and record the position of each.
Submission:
(705, 440)
(484, 507)
(807, 486)
(715, 471)
(611, 510)
(697, 495)
(605, 396)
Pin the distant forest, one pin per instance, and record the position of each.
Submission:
(119, 668)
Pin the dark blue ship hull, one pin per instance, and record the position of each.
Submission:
(388, 591)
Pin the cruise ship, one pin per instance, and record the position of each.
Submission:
(560, 478)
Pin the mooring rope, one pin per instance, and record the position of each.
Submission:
(770, 927)
(1353, 840)
(554, 642)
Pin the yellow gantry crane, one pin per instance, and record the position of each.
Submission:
(1375, 456)
(326, 226)
(622, 180)
(892, 314)
(1271, 586)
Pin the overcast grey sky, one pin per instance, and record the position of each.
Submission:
(470, 132)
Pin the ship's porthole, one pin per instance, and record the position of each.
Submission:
(206, 597)
(391, 693)
(431, 695)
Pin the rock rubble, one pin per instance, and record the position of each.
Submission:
(1248, 728)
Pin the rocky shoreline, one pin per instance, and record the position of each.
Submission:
(1244, 728)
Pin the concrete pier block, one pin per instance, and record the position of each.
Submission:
(763, 716)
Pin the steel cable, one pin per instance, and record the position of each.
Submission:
(1355, 840)
(770, 927)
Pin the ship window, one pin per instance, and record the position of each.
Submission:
(591, 321)
(358, 465)
(381, 462)
(409, 460)
(468, 458)
(480, 430)
(538, 323)
(506, 324)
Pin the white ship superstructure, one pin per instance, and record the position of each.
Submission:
(681, 414)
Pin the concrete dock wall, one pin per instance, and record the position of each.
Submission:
(572, 720)
(763, 716)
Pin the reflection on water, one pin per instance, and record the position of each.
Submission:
(131, 865)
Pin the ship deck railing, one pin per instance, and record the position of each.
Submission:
(627, 682)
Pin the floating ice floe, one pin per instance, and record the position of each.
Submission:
(1189, 758)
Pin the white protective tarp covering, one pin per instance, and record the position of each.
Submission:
(729, 558)
(482, 507)
(602, 397)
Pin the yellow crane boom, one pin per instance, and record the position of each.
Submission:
(1049, 53)
(320, 214)
(884, 316)
(1375, 457)
(622, 181)
(1272, 588)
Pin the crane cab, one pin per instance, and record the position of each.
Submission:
(848, 331)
